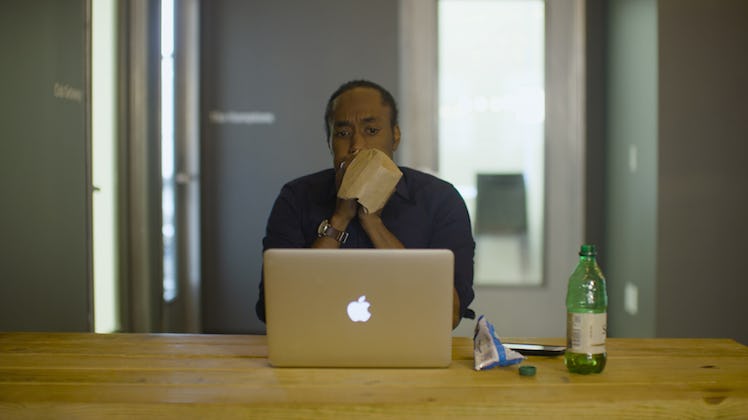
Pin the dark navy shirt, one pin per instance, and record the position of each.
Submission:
(423, 212)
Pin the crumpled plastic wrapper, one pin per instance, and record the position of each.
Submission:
(371, 178)
(488, 352)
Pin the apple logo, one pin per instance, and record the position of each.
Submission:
(358, 310)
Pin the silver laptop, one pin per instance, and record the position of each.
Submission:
(359, 307)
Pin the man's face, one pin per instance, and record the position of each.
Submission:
(361, 121)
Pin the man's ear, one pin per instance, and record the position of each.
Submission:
(395, 137)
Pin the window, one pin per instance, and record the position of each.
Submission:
(491, 83)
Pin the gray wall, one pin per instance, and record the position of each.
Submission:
(631, 176)
(285, 58)
(702, 263)
(44, 214)
(676, 226)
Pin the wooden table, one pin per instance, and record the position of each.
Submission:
(78, 375)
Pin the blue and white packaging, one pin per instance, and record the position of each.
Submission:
(488, 352)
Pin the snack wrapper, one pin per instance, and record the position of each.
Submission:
(488, 352)
(371, 178)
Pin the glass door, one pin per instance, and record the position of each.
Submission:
(491, 130)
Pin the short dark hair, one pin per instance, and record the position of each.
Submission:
(387, 100)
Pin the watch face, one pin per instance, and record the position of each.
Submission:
(322, 229)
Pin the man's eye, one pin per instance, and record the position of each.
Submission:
(372, 131)
(342, 133)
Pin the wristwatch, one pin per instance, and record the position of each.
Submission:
(326, 229)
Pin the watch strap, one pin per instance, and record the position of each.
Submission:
(326, 229)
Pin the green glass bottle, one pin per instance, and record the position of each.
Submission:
(586, 311)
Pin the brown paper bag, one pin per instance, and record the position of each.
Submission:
(371, 178)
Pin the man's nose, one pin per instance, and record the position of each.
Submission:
(357, 143)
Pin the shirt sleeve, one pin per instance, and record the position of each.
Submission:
(452, 230)
(283, 230)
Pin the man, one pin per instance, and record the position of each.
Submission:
(422, 212)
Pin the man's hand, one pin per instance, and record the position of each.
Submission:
(341, 166)
(345, 210)
(367, 218)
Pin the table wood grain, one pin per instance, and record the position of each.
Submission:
(80, 375)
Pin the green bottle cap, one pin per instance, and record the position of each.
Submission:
(588, 250)
(527, 370)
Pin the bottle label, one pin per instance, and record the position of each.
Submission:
(586, 332)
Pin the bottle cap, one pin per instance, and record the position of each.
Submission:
(527, 370)
(588, 250)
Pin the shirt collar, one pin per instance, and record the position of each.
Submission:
(402, 187)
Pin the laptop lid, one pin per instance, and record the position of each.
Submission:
(359, 307)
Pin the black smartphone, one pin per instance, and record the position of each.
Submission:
(536, 349)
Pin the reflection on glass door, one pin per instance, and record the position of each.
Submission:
(491, 129)
(104, 166)
(168, 200)
(180, 157)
